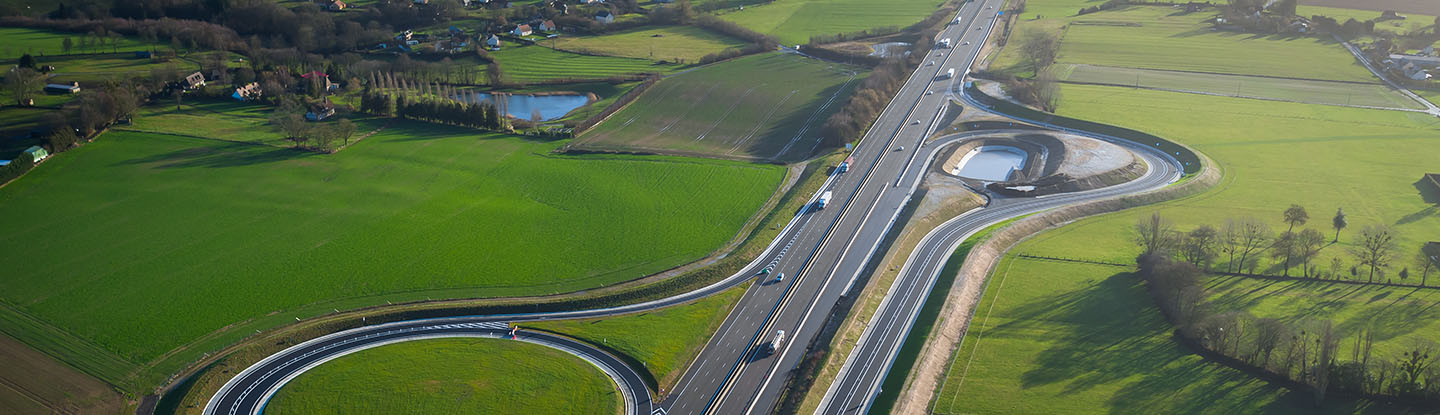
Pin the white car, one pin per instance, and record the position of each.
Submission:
(929, 92)
(917, 122)
(966, 43)
(900, 148)
(932, 63)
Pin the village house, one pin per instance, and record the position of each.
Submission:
(36, 153)
(493, 42)
(547, 26)
(605, 17)
(248, 92)
(322, 78)
(320, 111)
(194, 80)
(522, 30)
(336, 5)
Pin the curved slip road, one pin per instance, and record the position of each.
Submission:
(821, 252)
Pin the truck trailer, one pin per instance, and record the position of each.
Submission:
(824, 200)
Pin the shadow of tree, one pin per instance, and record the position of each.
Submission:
(221, 154)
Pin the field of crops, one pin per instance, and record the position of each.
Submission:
(451, 376)
(535, 63)
(659, 342)
(169, 238)
(1298, 90)
(1273, 154)
(667, 43)
(762, 107)
(794, 21)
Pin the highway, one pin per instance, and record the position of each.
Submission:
(821, 253)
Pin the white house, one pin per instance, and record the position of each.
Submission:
(247, 92)
(320, 111)
(605, 17)
(547, 26)
(522, 30)
(493, 42)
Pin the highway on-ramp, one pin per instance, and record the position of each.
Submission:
(821, 252)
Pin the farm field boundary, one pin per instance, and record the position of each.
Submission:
(1306, 91)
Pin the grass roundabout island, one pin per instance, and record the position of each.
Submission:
(447, 376)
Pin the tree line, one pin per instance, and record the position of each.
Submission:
(1304, 351)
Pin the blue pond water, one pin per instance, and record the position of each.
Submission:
(991, 163)
(550, 106)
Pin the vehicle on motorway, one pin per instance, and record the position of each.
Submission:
(932, 63)
(845, 165)
(900, 148)
(957, 20)
(824, 200)
(944, 43)
(966, 43)
(929, 92)
(949, 73)
(916, 122)
(776, 342)
(779, 277)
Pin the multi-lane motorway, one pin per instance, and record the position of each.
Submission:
(821, 252)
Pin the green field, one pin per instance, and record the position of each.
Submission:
(451, 376)
(1051, 337)
(224, 119)
(174, 246)
(660, 342)
(1087, 338)
(38, 42)
(762, 107)
(652, 43)
(1298, 90)
(1399, 317)
(794, 21)
(535, 63)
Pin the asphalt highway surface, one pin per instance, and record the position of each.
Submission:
(821, 253)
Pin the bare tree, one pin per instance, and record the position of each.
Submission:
(1268, 333)
(1284, 247)
(1047, 91)
(1040, 48)
(1377, 246)
(1251, 238)
(23, 83)
(1154, 234)
(1308, 243)
(1328, 342)
(1426, 263)
(1198, 248)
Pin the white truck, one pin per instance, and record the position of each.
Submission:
(944, 43)
(949, 73)
(778, 341)
(824, 200)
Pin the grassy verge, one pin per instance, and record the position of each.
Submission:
(447, 376)
(660, 343)
(933, 208)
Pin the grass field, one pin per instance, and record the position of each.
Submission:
(535, 63)
(661, 342)
(236, 235)
(225, 119)
(762, 107)
(1154, 37)
(653, 43)
(37, 42)
(1086, 338)
(794, 21)
(1054, 337)
(451, 376)
(1298, 90)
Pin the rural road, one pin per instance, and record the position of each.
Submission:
(821, 252)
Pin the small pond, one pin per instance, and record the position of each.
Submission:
(550, 106)
(990, 163)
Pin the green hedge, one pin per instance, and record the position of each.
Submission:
(1188, 159)
(16, 168)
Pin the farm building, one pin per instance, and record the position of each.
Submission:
(493, 42)
(605, 17)
(71, 88)
(37, 153)
(548, 26)
(248, 92)
(522, 30)
(336, 5)
(1418, 60)
(320, 111)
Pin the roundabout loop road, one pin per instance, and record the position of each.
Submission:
(825, 250)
